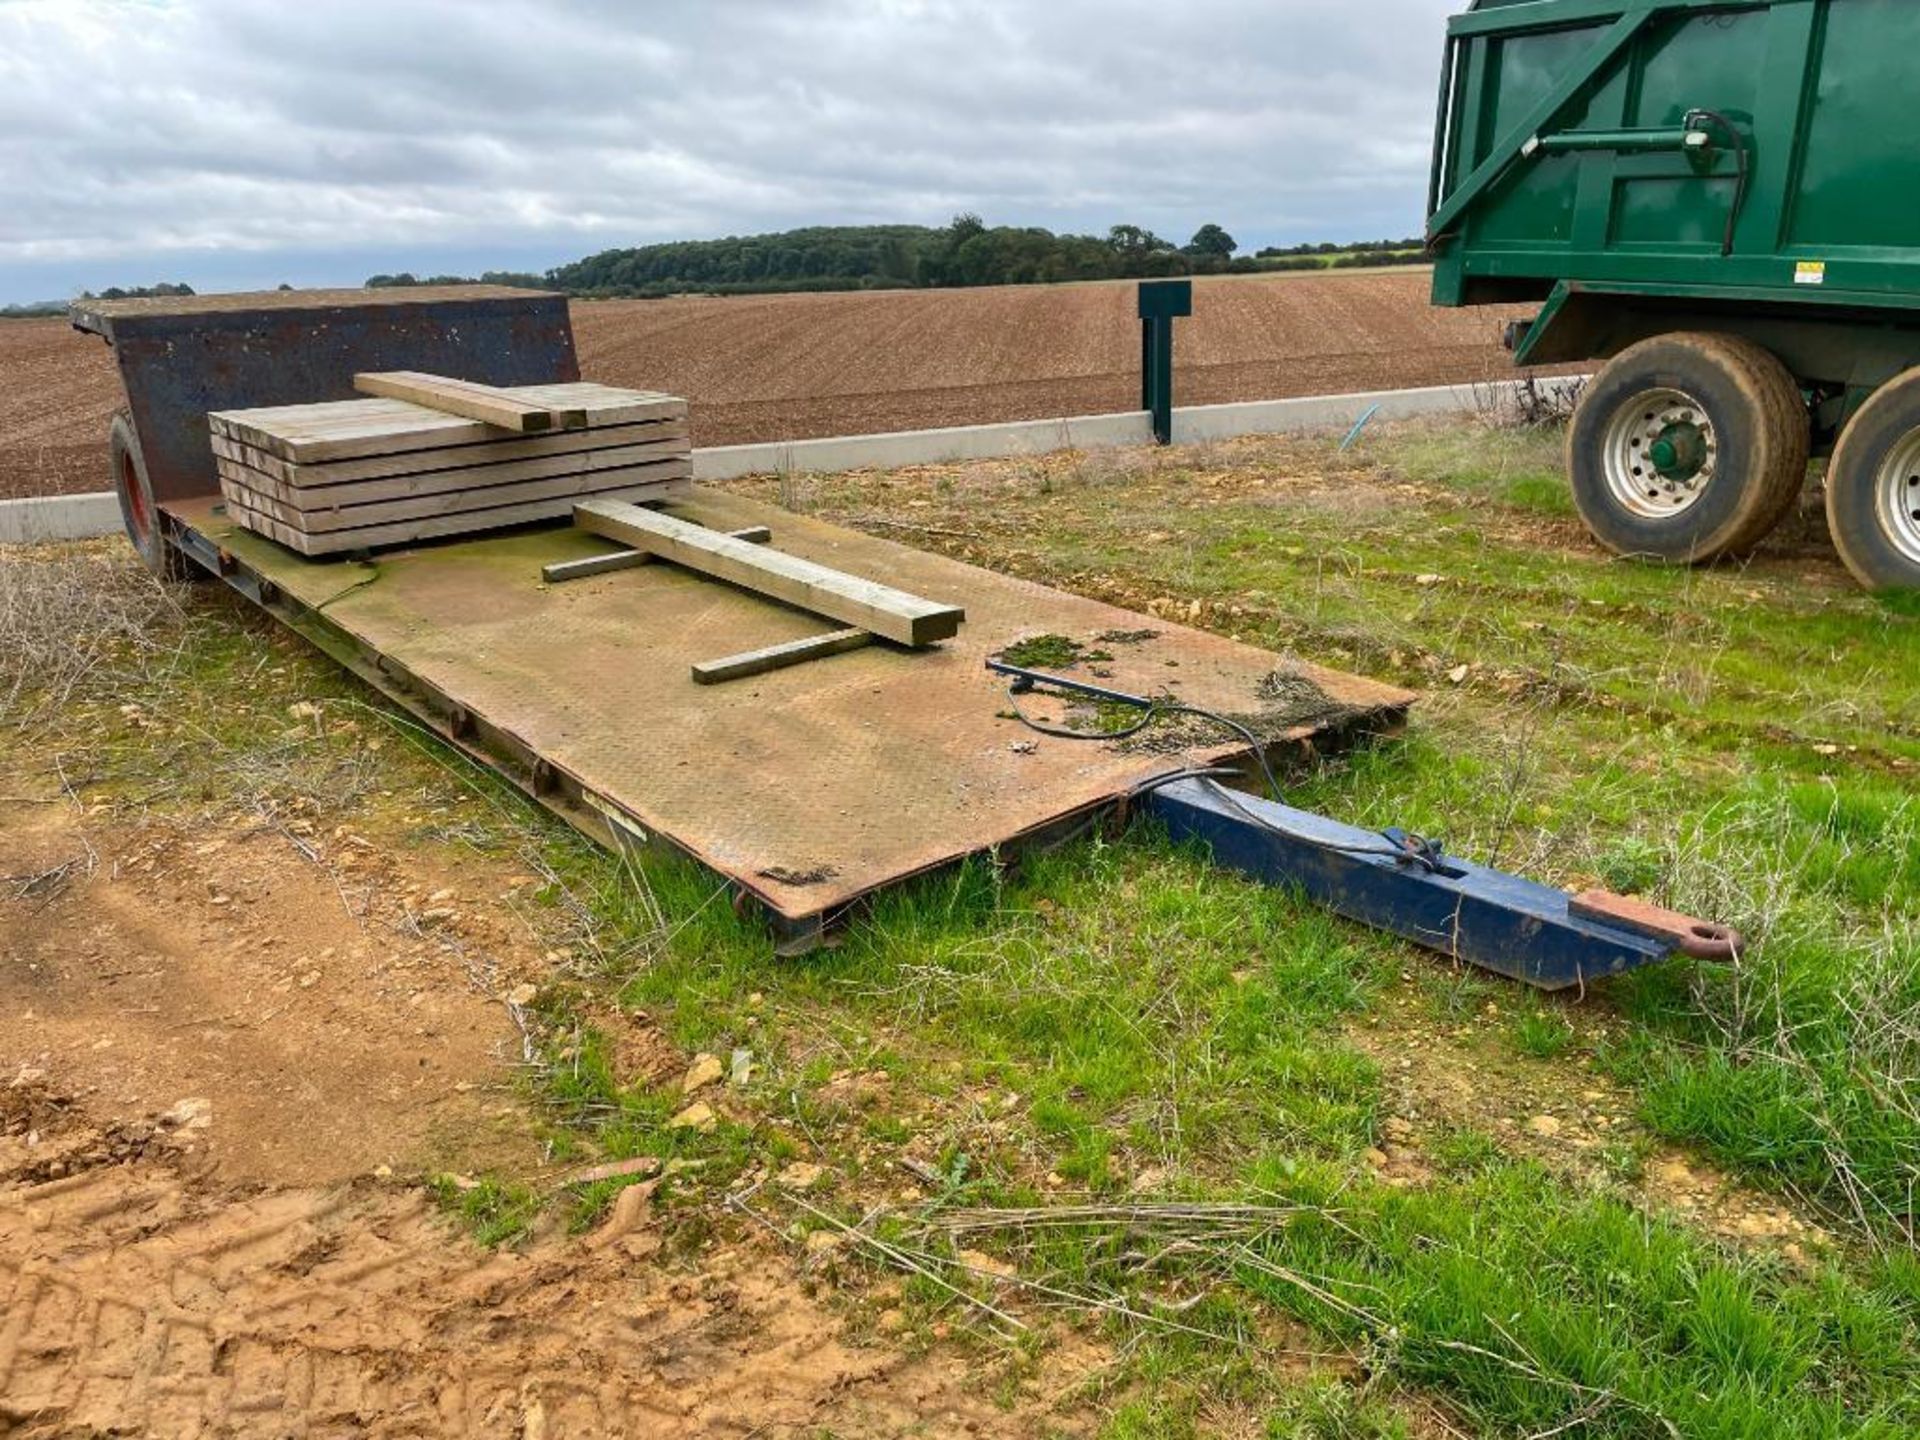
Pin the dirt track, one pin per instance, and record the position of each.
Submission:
(226, 1068)
(139, 1302)
(790, 366)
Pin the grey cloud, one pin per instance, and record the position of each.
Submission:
(137, 136)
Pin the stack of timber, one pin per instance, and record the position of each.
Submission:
(432, 457)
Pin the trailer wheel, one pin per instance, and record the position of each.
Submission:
(1873, 488)
(137, 510)
(1688, 447)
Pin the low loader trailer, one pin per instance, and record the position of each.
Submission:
(1720, 201)
(806, 769)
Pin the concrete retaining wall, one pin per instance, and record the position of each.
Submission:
(921, 447)
(1191, 423)
(1194, 423)
(59, 517)
(72, 517)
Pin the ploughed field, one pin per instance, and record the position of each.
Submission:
(780, 367)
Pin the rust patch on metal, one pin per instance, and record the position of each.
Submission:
(1701, 939)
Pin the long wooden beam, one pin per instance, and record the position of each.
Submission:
(486, 403)
(892, 614)
(779, 657)
(561, 570)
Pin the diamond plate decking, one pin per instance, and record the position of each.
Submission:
(810, 787)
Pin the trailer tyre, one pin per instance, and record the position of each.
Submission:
(1688, 447)
(1873, 488)
(137, 509)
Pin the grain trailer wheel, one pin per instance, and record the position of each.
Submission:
(1688, 447)
(137, 510)
(1873, 488)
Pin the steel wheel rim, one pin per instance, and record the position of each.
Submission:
(1638, 426)
(1897, 496)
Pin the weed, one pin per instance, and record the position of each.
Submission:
(496, 1213)
(1542, 1033)
(1334, 1410)
(1465, 1151)
(1519, 467)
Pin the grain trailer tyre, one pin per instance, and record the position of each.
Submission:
(1688, 447)
(1873, 488)
(137, 509)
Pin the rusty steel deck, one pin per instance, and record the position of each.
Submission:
(810, 787)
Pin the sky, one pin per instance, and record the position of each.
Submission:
(237, 144)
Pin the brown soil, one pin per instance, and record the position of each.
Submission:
(314, 1025)
(225, 1055)
(780, 367)
(1442, 1078)
(139, 1302)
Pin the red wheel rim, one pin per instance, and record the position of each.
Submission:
(136, 496)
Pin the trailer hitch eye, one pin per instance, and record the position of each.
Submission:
(1700, 939)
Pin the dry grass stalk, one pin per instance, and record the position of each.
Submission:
(1185, 1218)
(71, 616)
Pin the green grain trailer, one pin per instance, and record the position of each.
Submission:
(1722, 202)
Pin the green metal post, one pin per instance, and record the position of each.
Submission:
(1161, 303)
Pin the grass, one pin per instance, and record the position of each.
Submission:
(1737, 742)
(1518, 467)
(1534, 1310)
(497, 1213)
(1117, 1022)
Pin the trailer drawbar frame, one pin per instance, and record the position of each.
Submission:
(1402, 883)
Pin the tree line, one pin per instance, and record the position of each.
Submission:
(35, 309)
(875, 257)
(967, 252)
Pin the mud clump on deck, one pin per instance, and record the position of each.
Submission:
(1300, 699)
(799, 875)
(1050, 652)
(1289, 702)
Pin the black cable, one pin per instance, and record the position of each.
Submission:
(1062, 732)
(1740, 168)
(359, 584)
(1156, 710)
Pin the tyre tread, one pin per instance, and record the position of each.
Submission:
(1780, 442)
(1852, 516)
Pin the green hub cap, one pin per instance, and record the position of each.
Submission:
(1679, 451)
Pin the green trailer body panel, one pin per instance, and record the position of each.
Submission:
(1591, 153)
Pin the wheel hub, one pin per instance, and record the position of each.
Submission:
(1679, 452)
(1660, 453)
(1897, 497)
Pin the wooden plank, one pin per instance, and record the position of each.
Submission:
(485, 403)
(779, 657)
(892, 614)
(334, 542)
(563, 570)
(450, 457)
(458, 502)
(440, 482)
(604, 404)
(357, 429)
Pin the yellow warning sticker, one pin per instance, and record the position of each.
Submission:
(1810, 272)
